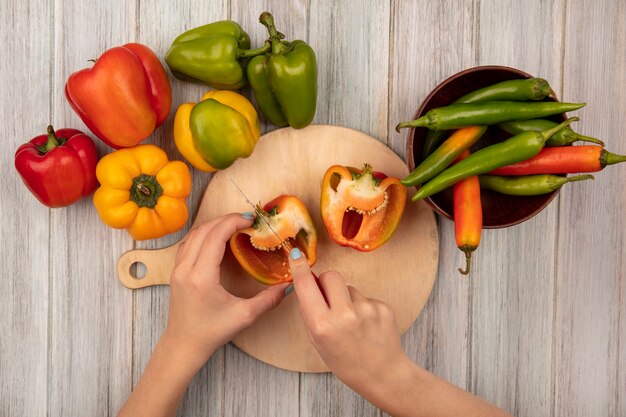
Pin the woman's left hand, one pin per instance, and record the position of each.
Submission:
(202, 315)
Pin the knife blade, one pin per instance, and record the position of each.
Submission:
(285, 245)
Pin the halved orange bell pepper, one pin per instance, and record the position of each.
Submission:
(262, 254)
(361, 208)
(142, 191)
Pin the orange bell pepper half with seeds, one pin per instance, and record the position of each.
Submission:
(361, 209)
(263, 254)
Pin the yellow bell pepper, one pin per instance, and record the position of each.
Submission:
(142, 192)
(216, 132)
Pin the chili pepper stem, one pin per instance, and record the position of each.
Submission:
(584, 138)
(547, 134)
(248, 53)
(52, 142)
(414, 123)
(580, 178)
(468, 260)
(608, 158)
(278, 46)
(556, 182)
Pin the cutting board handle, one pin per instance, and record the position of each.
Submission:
(158, 266)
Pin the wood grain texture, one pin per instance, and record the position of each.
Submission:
(271, 391)
(512, 294)
(591, 274)
(24, 222)
(351, 40)
(158, 23)
(90, 322)
(432, 41)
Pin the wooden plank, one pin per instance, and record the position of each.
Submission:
(24, 222)
(352, 45)
(591, 272)
(431, 41)
(91, 313)
(252, 387)
(512, 293)
(158, 24)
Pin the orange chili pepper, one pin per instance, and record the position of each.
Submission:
(563, 160)
(445, 155)
(468, 215)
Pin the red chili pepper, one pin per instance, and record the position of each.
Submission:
(124, 97)
(58, 168)
(468, 215)
(563, 160)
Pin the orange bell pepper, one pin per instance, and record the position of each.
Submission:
(142, 192)
(262, 254)
(361, 208)
(124, 97)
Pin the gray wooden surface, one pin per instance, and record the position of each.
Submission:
(540, 326)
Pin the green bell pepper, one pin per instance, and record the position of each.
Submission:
(284, 80)
(213, 54)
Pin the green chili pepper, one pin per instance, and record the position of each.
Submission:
(527, 185)
(456, 116)
(284, 80)
(511, 90)
(524, 89)
(562, 138)
(518, 148)
(439, 160)
(212, 54)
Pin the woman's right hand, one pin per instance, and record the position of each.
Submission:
(357, 337)
(359, 340)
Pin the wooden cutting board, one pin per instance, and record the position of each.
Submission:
(401, 273)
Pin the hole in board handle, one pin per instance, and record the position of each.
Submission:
(138, 270)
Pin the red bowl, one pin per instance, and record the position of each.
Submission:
(499, 210)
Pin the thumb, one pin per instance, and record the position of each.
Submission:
(266, 300)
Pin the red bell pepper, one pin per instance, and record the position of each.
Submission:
(58, 168)
(124, 97)
(262, 254)
(361, 208)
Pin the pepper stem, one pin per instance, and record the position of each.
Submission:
(547, 134)
(584, 138)
(580, 178)
(468, 262)
(412, 123)
(608, 158)
(52, 141)
(145, 191)
(278, 46)
(248, 53)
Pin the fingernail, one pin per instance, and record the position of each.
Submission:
(295, 254)
(289, 290)
(248, 215)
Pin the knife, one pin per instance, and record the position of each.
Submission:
(286, 246)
